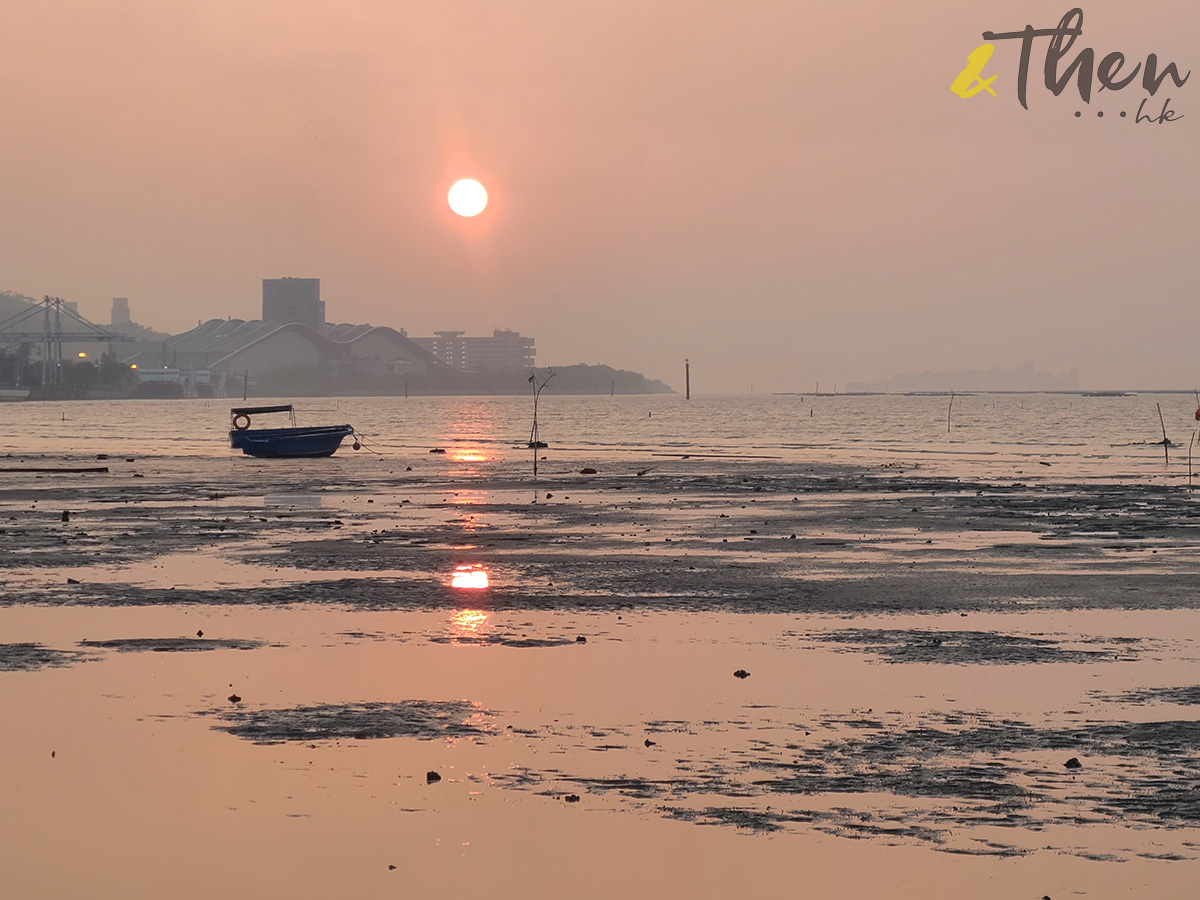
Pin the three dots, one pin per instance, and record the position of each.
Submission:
(1100, 115)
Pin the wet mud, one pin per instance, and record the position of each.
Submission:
(421, 719)
(1184, 696)
(173, 645)
(938, 782)
(29, 657)
(766, 539)
(974, 647)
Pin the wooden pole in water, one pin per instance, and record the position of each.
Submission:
(245, 383)
(1165, 441)
(1191, 487)
(687, 380)
(948, 410)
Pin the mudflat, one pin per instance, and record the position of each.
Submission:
(717, 675)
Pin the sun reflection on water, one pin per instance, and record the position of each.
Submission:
(467, 623)
(472, 577)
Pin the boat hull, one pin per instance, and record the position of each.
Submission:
(322, 440)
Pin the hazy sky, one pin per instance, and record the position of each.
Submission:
(782, 191)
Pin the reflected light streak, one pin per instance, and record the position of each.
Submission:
(465, 623)
(468, 498)
(469, 577)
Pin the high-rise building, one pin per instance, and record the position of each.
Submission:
(503, 351)
(120, 311)
(293, 300)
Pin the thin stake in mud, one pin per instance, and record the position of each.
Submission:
(1165, 441)
(1191, 487)
(949, 409)
(535, 442)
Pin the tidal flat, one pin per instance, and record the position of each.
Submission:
(373, 676)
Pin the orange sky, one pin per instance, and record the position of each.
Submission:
(781, 191)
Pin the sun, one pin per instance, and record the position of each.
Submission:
(468, 197)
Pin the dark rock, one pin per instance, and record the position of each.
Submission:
(432, 777)
(741, 673)
(437, 450)
(101, 456)
(548, 495)
(649, 743)
(199, 633)
(391, 868)
(1073, 763)
(66, 516)
(581, 639)
(587, 470)
(234, 698)
(73, 581)
(572, 798)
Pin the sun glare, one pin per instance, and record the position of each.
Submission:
(468, 197)
(469, 577)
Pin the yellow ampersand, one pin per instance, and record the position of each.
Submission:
(968, 83)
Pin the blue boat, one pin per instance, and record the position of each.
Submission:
(316, 440)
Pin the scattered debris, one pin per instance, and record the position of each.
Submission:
(571, 798)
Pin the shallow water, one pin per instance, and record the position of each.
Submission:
(996, 434)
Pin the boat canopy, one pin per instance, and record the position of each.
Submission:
(254, 410)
